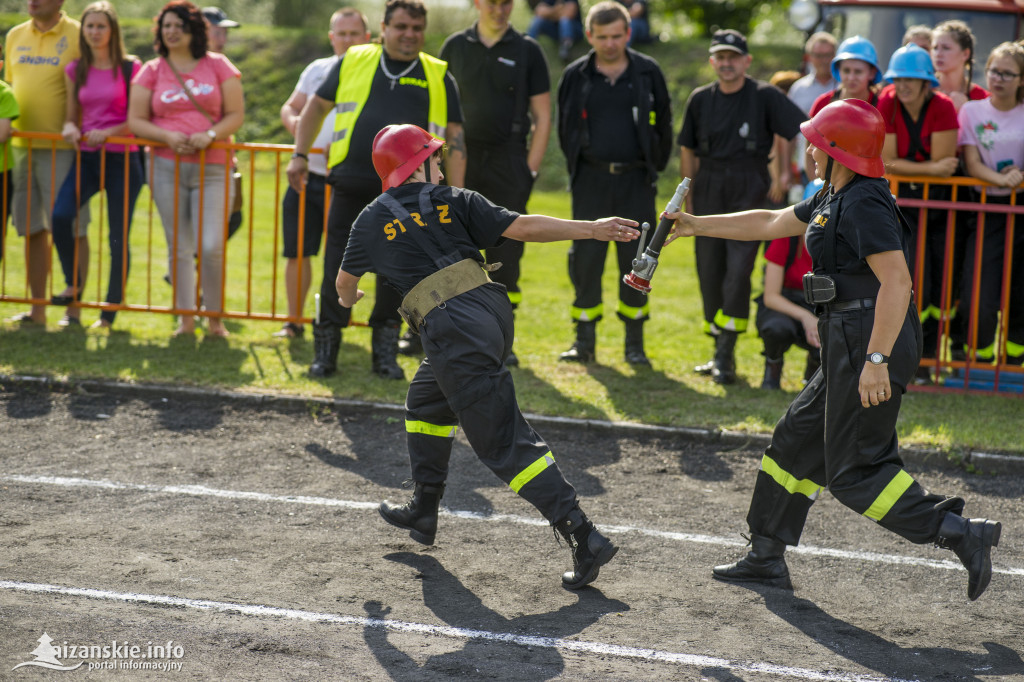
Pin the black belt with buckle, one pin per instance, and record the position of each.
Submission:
(854, 304)
(615, 167)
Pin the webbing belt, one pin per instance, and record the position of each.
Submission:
(443, 285)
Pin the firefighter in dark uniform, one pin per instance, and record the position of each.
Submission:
(840, 431)
(372, 86)
(426, 240)
(728, 131)
(615, 129)
(504, 85)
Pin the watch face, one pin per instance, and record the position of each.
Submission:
(876, 358)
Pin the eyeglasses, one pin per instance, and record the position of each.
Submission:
(998, 75)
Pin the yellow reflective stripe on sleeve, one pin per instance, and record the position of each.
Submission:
(531, 472)
(805, 487)
(884, 502)
(428, 429)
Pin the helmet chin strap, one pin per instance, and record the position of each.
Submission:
(827, 180)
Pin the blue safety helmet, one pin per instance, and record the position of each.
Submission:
(857, 47)
(910, 61)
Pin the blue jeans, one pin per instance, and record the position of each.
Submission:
(562, 30)
(66, 207)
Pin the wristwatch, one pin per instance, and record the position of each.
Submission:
(877, 358)
(212, 133)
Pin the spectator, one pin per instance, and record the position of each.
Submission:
(783, 167)
(819, 50)
(506, 101)
(639, 21)
(98, 83)
(953, 58)
(919, 35)
(728, 133)
(560, 20)
(189, 120)
(45, 45)
(348, 27)
(855, 66)
(991, 135)
(217, 25)
(615, 129)
(380, 84)
(920, 139)
(8, 112)
(784, 318)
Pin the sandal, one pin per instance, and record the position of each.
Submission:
(290, 330)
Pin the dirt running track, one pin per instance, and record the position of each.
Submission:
(247, 537)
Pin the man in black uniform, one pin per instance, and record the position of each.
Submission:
(727, 135)
(426, 240)
(373, 86)
(504, 84)
(615, 129)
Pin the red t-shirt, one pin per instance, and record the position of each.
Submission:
(940, 116)
(826, 98)
(977, 92)
(778, 253)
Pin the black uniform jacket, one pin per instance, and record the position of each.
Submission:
(651, 93)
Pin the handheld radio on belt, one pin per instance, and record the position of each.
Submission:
(646, 260)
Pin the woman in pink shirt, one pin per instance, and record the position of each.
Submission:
(187, 98)
(97, 108)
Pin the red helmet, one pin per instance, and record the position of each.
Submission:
(852, 132)
(398, 150)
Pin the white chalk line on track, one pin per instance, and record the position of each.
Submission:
(572, 645)
(203, 491)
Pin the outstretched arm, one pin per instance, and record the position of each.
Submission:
(758, 225)
(542, 228)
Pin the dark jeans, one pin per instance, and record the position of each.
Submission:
(65, 210)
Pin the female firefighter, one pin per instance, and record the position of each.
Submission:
(426, 239)
(840, 431)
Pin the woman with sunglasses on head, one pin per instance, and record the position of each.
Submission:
(97, 108)
(840, 431)
(189, 98)
(992, 140)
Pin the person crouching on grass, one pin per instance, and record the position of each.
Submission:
(840, 431)
(426, 240)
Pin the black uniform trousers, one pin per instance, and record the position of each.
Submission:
(346, 203)
(724, 265)
(827, 438)
(778, 330)
(993, 251)
(502, 175)
(933, 257)
(597, 193)
(463, 380)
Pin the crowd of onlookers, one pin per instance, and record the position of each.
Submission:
(74, 78)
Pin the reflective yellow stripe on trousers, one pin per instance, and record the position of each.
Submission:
(439, 430)
(884, 502)
(805, 487)
(531, 472)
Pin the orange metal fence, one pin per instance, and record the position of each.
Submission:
(263, 186)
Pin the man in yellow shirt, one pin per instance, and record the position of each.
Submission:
(37, 52)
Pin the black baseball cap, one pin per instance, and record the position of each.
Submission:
(218, 17)
(728, 39)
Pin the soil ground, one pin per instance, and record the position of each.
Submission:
(247, 535)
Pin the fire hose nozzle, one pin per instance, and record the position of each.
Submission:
(647, 261)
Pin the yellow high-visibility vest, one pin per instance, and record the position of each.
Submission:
(357, 71)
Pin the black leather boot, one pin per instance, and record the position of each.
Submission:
(583, 349)
(972, 541)
(724, 370)
(772, 374)
(410, 343)
(418, 515)
(764, 564)
(384, 346)
(635, 354)
(590, 549)
(326, 342)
